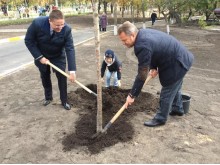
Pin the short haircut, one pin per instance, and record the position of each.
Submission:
(128, 28)
(56, 14)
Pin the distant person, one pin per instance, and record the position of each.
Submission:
(104, 21)
(22, 9)
(47, 8)
(112, 66)
(153, 17)
(50, 39)
(163, 55)
(27, 12)
(19, 11)
(40, 10)
(4, 10)
(35, 8)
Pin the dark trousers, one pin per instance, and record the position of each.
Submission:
(47, 84)
(170, 100)
(153, 21)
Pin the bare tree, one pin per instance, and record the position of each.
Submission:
(98, 61)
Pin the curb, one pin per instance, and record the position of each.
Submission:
(12, 39)
(14, 70)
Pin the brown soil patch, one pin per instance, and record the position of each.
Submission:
(120, 131)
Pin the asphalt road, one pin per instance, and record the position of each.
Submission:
(14, 55)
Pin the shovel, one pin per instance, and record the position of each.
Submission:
(68, 76)
(103, 131)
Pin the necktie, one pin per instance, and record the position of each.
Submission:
(52, 34)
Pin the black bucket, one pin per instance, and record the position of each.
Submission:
(186, 103)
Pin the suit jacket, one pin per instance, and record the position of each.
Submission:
(158, 50)
(40, 43)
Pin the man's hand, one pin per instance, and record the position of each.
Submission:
(72, 77)
(119, 83)
(129, 101)
(153, 73)
(102, 80)
(44, 60)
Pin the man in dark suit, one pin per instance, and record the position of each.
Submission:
(50, 39)
(163, 55)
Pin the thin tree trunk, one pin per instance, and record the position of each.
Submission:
(115, 18)
(56, 3)
(99, 5)
(105, 6)
(143, 13)
(112, 8)
(137, 11)
(132, 11)
(98, 61)
(122, 11)
(167, 23)
(159, 11)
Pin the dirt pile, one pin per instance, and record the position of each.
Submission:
(113, 100)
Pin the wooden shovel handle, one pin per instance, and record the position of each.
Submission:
(108, 125)
(148, 79)
(58, 69)
(118, 114)
(68, 76)
(123, 107)
(121, 110)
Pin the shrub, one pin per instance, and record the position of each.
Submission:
(202, 23)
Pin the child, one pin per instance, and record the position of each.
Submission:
(113, 69)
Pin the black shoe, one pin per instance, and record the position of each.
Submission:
(66, 106)
(153, 123)
(46, 102)
(176, 113)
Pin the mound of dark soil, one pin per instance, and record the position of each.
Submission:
(113, 99)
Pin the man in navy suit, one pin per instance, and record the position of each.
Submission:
(163, 55)
(50, 39)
